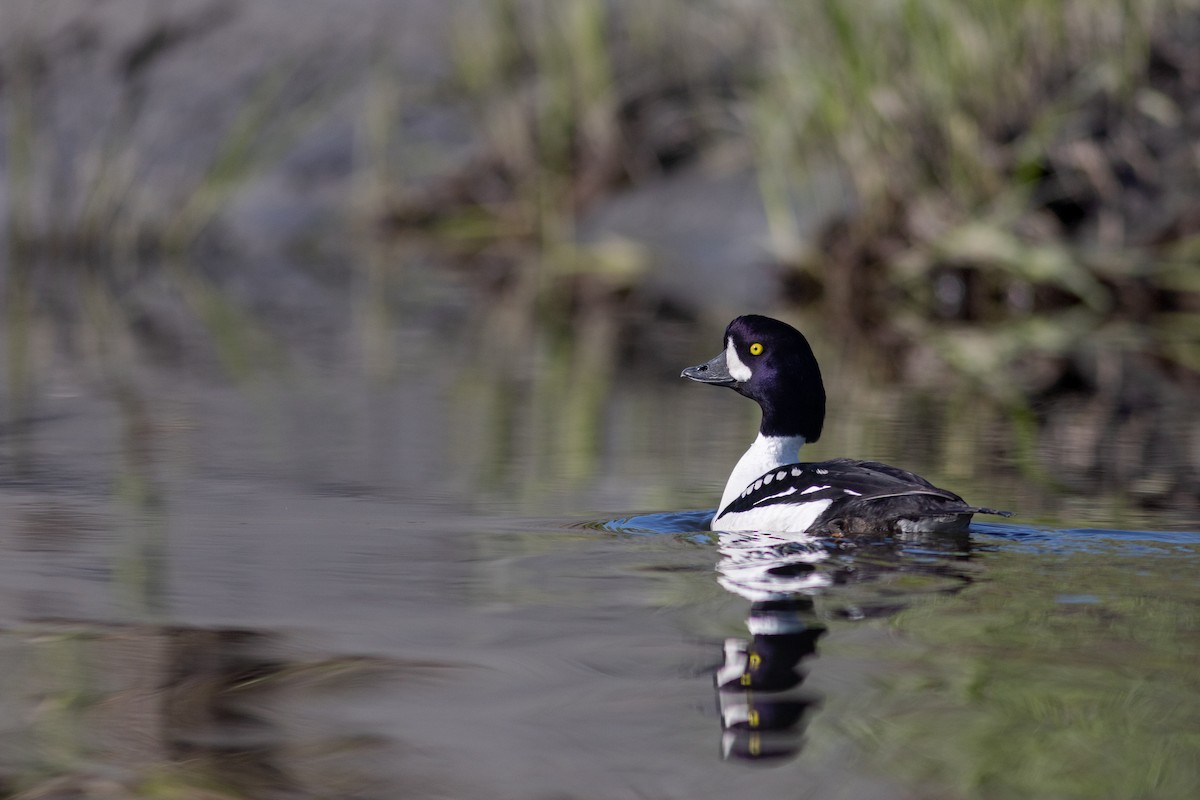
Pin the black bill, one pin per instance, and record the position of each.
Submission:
(715, 371)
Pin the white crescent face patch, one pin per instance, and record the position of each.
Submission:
(736, 367)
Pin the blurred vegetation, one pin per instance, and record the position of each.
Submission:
(1025, 218)
(1026, 215)
(1026, 221)
(104, 197)
(1007, 158)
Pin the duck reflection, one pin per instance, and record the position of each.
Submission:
(758, 687)
(793, 581)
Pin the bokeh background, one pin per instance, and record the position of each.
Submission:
(429, 261)
(993, 205)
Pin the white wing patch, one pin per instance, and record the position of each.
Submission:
(812, 489)
(784, 493)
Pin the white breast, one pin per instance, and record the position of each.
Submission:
(765, 454)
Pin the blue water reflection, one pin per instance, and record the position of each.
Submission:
(663, 522)
(992, 533)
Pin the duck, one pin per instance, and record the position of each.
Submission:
(771, 362)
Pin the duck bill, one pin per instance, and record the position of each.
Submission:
(714, 371)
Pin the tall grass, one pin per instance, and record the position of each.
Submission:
(956, 97)
(954, 103)
(101, 197)
(542, 80)
(947, 116)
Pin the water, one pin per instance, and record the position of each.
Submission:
(386, 544)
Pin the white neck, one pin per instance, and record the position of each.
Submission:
(767, 453)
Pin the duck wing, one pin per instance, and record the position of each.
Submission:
(862, 496)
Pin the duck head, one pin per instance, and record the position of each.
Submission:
(771, 363)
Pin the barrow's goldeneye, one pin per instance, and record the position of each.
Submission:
(771, 363)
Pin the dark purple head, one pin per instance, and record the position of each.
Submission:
(771, 363)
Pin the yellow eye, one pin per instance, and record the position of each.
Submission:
(756, 349)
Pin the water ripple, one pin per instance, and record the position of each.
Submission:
(1090, 540)
(659, 523)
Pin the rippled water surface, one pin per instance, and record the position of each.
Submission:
(389, 553)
